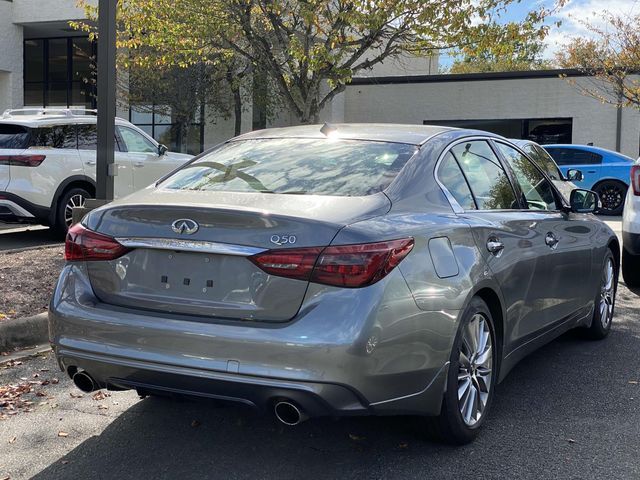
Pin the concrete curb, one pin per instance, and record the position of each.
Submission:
(23, 332)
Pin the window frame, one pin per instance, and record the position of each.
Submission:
(457, 208)
(515, 186)
(554, 190)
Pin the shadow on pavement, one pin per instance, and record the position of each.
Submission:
(564, 412)
(11, 239)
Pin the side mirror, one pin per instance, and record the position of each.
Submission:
(574, 175)
(162, 149)
(583, 201)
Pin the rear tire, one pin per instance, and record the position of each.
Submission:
(630, 269)
(605, 300)
(611, 193)
(470, 379)
(72, 197)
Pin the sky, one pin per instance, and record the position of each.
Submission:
(572, 15)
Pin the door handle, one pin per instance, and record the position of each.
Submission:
(90, 162)
(591, 171)
(138, 164)
(495, 246)
(551, 240)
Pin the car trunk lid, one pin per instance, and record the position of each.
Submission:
(175, 267)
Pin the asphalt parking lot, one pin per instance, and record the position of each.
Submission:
(570, 410)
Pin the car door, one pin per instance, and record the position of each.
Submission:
(509, 238)
(148, 165)
(589, 163)
(87, 145)
(566, 265)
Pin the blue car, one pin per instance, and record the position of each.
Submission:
(605, 172)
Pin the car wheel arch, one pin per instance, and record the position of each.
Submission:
(77, 181)
(608, 179)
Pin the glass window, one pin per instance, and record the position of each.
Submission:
(34, 94)
(81, 59)
(544, 161)
(58, 57)
(297, 166)
(57, 95)
(63, 136)
(34, 61)
(88, 137)
(536, 189)
(489, 182)
(452, 178)
(135, 142)
(574, 156)
(13, 136)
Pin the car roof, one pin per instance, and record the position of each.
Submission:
(51, 120)
(381, 132)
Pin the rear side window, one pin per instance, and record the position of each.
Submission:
(574, 156)
(452, 178)
(61, 136)
(488, 180)
(296, 166)
(14, 136)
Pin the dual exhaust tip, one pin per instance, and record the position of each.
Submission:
(285, 411)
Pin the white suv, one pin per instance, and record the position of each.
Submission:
(631, 230)
(48, 163)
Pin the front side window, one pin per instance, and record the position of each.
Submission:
(296, 166)
(536, 189)
(544, 161)
(452, 178)
(136, 142)
(489, 182)
(88, 137)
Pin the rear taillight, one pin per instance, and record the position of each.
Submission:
(22, 160)
(343, 265)
(635, 179)
(84, 244)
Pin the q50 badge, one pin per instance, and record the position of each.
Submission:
(283, 239)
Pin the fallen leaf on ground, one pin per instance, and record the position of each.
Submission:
(5, 478)
(403, 445)
(571, 440)
(100, 395)
(356, 438)
(13, 439)
(63, 434)
(195, 423)
(64, 462)
(633, 382)
(102, 407)
(76, 395)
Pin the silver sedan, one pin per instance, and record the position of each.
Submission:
(335, 270)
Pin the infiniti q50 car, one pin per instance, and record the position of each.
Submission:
(335, 270)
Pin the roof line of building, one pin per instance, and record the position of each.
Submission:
(466, 77)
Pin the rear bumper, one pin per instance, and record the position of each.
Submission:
(319, 360)
(14, 208)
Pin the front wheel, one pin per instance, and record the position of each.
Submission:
(605, 300)
(471, 377)
(611, 195)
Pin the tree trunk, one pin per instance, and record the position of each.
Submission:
(237, 102)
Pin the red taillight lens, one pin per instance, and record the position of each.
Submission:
(84, 244)
(344, 265)
(22, 160)
(635, 179)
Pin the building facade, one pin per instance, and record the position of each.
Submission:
(44, 62)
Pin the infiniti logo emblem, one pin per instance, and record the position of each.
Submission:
(185, 226)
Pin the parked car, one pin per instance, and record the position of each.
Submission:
(551, 133)
(343, 270)
(605, 172)
(48, 163)
(546, 162)
(631, 231)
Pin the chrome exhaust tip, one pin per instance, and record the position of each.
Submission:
(84, 382)
(288, 413)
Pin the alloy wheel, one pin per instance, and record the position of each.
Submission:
(612, 197)
(607, 293)
(76, 200)
(475, 367)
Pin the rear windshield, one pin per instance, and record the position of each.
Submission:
(14, 136)
(296, 166)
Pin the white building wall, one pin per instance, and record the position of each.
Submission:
(524, 98)
(11, 91)
(32, 11)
